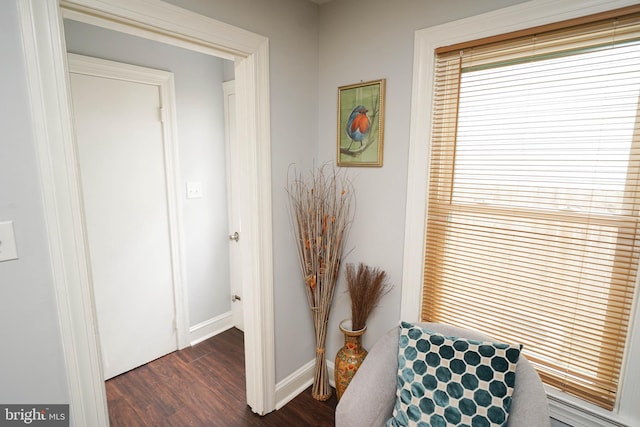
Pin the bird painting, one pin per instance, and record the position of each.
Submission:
(358, 125)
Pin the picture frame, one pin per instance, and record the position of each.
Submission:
(361, 124)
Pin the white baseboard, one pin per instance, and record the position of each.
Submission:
(209, 328)
(331, 367)
(299, 381)
(294, 384)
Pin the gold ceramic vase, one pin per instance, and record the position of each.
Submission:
(349, 357)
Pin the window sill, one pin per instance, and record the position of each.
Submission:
(576, 412)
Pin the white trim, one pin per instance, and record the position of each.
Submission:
(210, 328)
(165, 81)
(82, 64)
(163, 22)
(255, 202)
(630, 387)
(574, 412)
(331, 369)
(297, 382)
(234, 173)
(43, 46)
(41, 25)
(521, 16)
(413, 260)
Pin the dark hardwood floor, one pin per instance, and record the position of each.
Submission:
(203, 385)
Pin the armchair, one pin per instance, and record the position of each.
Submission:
(370, 398)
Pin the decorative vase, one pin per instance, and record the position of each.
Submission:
(349, 357)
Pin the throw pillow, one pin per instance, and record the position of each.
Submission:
(450, 381)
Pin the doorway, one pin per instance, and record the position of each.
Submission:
(201, 168)
(125, 160)
(46, 69)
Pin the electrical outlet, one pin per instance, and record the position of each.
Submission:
(194, 190)
(7, 242)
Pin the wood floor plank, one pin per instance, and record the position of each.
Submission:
(203, 385)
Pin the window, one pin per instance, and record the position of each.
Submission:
(534, 195)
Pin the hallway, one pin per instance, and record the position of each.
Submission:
(203, 385)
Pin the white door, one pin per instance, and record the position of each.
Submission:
(235, 226)
(121, 153)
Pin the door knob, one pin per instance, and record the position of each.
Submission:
(235, 298)
(235, 236)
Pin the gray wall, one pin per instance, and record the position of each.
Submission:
(314, 49)
(379, 45)
(292, 29)
(200, 115)
(31, 359)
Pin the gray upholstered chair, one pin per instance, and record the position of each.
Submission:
(369, 399)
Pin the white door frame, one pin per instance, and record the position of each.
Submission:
(234, 169)
(46, 66)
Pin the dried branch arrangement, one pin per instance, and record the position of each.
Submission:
(365, 286)
(320, 207)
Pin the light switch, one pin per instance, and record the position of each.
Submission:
(7, 242)
(194, 190)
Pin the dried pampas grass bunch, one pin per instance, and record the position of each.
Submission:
(365, 286)
(320, 207)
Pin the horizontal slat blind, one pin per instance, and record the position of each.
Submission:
(532, 223)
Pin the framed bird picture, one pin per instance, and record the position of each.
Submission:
(361, 124)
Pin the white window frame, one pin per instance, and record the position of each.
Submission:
(563, 407)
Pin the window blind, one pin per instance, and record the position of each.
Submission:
(533, 197)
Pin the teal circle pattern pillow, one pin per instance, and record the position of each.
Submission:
(448, 381)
